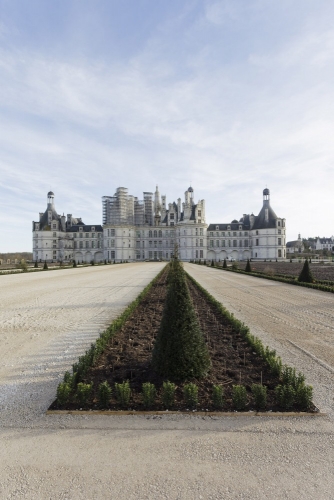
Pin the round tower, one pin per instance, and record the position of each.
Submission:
(51, 199)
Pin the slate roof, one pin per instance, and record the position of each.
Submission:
(260, 220)
(44, 221)
(85, 228)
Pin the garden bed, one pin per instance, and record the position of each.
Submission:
(127, 356)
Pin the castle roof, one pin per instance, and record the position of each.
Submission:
(261, 222)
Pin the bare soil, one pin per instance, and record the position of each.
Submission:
(128, 357)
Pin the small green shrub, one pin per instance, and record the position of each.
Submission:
(83, 392)
(148, 394)
(285, 395)
(248, 268)
(74, 263)
(235, 266)
(304, 394)
(190, 392)
(104, 394)
(36, 264)
(92, 262)
(168, 394)
(260, 396)
(224, 264)
(45, 265)
(218, 396)
(123, 393)
(212, 263)
(63, 392)
(239, 397)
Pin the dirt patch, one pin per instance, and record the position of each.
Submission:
(128, 357)
(322, 272)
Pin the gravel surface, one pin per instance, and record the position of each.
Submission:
(48, 319)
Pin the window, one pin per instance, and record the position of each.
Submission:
(54, 235)
(217, 234)
(279, 223)
(80, 229)
(150, 244)
(229, 234)
(137, 256)
(137, 244)
(112, 243)
(246, 233)
(201, 244)
(138, 234)
(54, 226)
(279, 253)
(93, 228)
(246, 243)
(257, 242)
(234, 233)
(211, 233)
(155, 234)
(228, 227)
(81, 244)
(112, 232)
(257, 232)
(201, 254)
(235, 243)
(223, 243)
(160, 234)
(112, 254)
(54, 242)
(240, 243)
(172, 223)
(217, 243)
(279, 231)
(240, 227)
(211, 243)
(87, 235)
(197, 243)
(171, 216)
(223, 233)
(93, 235)
(229, 243)
(150, 234)
(87, 244)
(280, 241)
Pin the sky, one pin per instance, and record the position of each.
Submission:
(228, 96)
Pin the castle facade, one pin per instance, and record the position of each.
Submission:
(148, 229)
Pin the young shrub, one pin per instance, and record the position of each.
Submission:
(83, 392)
(224, 264)
(190, 392)
(92, 262)
(239, 397)
(275, 365)
(260, 396)
(123, 393)
(235, 266)
(248, 268)
(104, 394)
(36, 264)
(105, 262)
(306, 275)
(74, 263)
(148, 394)
(285, 395)
(218, 396)
(180, 351)
(304, 394)
(45, 265)
(168, 394)
(212, 263)
(63, 393)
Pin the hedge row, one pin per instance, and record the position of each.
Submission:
(79, 369)
(297, 390)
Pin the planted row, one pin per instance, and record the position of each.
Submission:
(287, 395)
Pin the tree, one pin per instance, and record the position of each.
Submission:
(180, 351)
(224, 264)
(45, 265)
(306, 275)
(248, 268)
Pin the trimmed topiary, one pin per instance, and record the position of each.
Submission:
(74, 263)
(212, 263)
(180, 351)
(306, 275)
(45, 265)
(224, 264)
(248, 268)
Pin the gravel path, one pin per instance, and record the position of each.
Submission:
(48, 319)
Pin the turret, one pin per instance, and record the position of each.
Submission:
(51, 198)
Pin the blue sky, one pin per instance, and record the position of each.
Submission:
(230, 96)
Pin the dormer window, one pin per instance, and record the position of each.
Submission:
(228, 227)
(240, 227)
(80, 229)
(93, 228)
(217, 228)
(279, 222)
